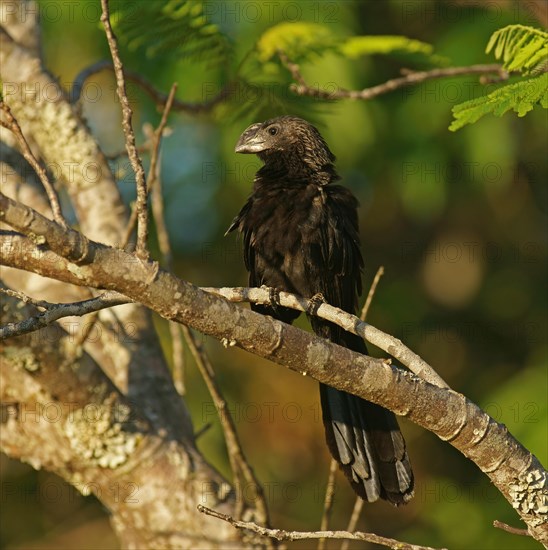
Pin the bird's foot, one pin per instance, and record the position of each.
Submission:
(314, 303)
(273, 296)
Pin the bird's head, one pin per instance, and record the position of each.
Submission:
(290, 142)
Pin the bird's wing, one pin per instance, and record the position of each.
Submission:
(239, 223)
(340, 250)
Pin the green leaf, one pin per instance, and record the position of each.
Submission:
(520, 97)
(298, 40)
(357, 46)
(177, 28)
(521, 48)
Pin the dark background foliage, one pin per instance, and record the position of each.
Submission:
(458, 220)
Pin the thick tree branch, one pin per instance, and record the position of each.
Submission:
(451, 416)
(128, 347)
(64, 141)
(73, 421)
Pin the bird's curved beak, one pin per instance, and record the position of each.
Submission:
(249, 141)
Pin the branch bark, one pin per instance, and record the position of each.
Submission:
(410, 78)
(127, 348)
(280, 534)
(451, 416)
(73, 421)
(136, 163)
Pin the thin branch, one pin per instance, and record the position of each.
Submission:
(157, 140)
(345, 320)
(356, 511)
(159, 220)
(509, 529)
(153, 180)
(14, 127)
(155, 189)
(243, 472)
(137, 165)
(328, 501)
(57, 311)
(371, 293)
(280, 534)
(159, 98)
(26, 299)
(178, 357)
(409, 79)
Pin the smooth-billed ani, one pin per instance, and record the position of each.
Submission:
(300, 234)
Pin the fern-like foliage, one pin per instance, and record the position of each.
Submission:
(268, 82)
(520, 97)
(169, 27)
(522, 49)
(302, 40)
(357, 46)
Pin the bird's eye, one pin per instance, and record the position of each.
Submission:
(273, 130)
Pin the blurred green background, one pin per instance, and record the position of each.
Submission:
(458, 220)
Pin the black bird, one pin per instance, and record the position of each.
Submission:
(300, 233)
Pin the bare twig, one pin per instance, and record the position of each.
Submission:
(152, 181)
(509, 529)
(356, 511)
(137, 165)
(345, 320)
(371, 293)
(410, 78)
(26, 299)
(155, 184)
(158, 97)
(245, 477)
(12, 125)
(177, 353)
(280, 534)
(157, 136)
(57, 311)
(155, 188)
(328, 501)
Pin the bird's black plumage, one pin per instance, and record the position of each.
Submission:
(300, 234)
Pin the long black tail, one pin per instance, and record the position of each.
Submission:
(364, 438)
